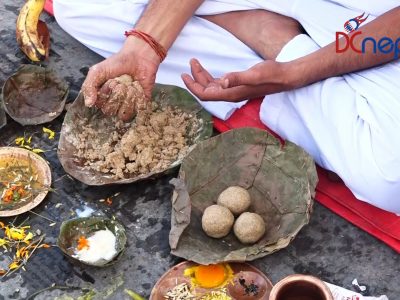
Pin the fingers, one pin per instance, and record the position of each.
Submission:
(94, 80)
(201, 78)
(265, 72)
(146, 79)
(114, 102)
(214, 91)
(126, 111)
(211, 92)
(248, 77)
(104, 93)
(199, 73)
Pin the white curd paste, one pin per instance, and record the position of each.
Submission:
(101, 247)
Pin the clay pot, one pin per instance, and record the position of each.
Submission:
(300, 287)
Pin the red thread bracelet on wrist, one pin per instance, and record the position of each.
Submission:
(159, 49)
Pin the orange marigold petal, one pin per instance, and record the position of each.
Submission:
(82, 243)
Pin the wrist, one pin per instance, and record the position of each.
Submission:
(134, 46)
(156, 32)
(295, 74)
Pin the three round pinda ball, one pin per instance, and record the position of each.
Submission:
(218, 219)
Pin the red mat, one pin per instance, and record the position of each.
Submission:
(336, 196)
(48, 7)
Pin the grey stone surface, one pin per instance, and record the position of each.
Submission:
(329, 247)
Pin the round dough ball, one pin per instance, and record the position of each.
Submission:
(236, 199)
(217, 221)
(249, 228)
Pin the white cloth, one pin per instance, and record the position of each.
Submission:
(349, 124)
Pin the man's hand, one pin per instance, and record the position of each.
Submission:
(136, 58)
(265, 78)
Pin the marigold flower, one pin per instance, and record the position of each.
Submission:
(50, 132)
(20, 141)
(82, 243)
(13, 265)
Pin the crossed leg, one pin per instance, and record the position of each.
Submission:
(350, 132)
(263, 31)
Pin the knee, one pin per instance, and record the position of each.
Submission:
(64, 12)
(374, 188)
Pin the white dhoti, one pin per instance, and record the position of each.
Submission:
(349, 124)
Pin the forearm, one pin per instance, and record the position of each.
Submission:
(326, 62)
(164, 19)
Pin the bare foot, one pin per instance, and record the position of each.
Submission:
(332, 176)
(263, 31)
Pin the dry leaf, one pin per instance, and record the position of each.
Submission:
(162, 94)
(32, 93)
(280, 179)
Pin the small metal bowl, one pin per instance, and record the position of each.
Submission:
(71, 230)
(300, 286)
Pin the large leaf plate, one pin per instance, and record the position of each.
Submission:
(13, 156)
(163, 94)
(3, 118)
(34, 95)
(280, 179)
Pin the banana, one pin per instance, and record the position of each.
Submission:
(27, 33)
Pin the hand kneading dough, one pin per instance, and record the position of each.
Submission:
(235, 198)
(249, 228)
(217, 221)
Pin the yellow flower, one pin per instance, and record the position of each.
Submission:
(3, 242)
(50, 132)
(28, 141)
(13, 265)
(20, 141)
(19, 253)
(17, 234)
(37, 150)
(28, 237)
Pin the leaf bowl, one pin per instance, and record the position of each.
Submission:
(34, 95)
(281, 180)
(72, 230)
(164, 95)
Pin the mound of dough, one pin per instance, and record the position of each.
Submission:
(236, 199)
(123, 97)
(217, 221)
(249, 228)
(154, 140)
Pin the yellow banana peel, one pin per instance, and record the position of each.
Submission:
(28, 37)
